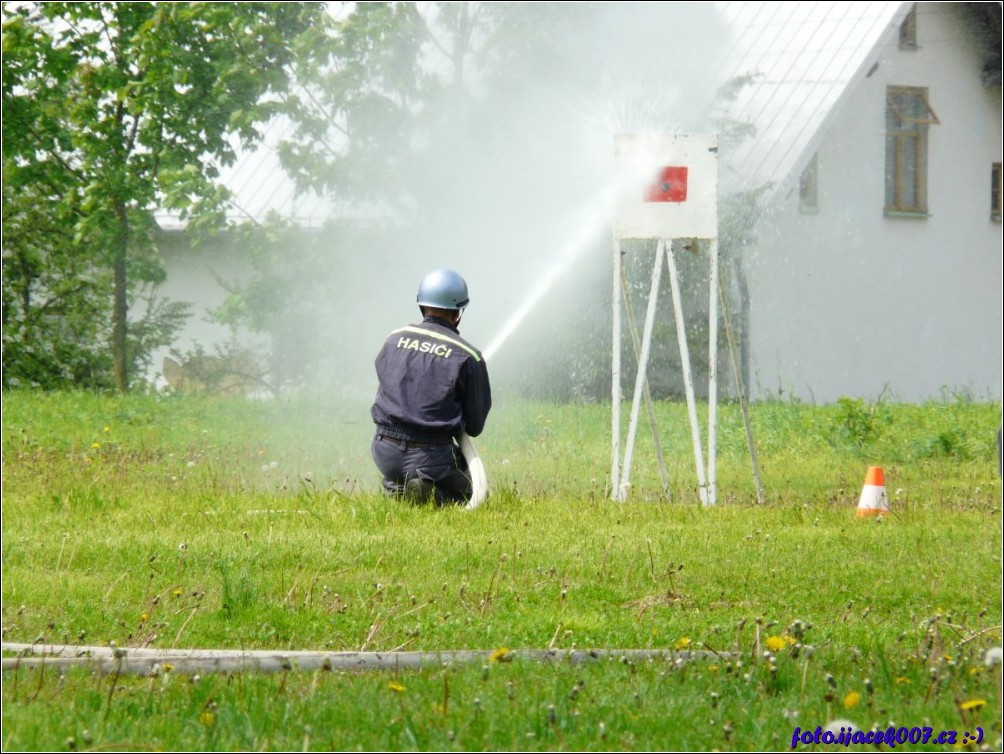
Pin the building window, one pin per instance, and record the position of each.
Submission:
(908, 30)
(907, 118)
(808, 193)
(995, 193)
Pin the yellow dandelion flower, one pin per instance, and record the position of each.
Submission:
(107, 430)
(144, 617)
(501, 654)
(95, 445)
(903, 681)
(207, 718)
(168, 667)
(682, 643)
(177, 592)
(775, 643)
(712, 669)
(851, 700)
(396, 687)
(972, 704)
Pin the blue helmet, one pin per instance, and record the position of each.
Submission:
(443, 289)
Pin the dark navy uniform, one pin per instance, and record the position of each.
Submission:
(433, 385)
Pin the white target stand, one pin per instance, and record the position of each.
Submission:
(669, 190)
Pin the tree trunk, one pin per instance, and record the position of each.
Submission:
(120, 310)
(461, 44)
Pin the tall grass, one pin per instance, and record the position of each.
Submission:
(202, 522)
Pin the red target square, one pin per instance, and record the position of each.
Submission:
(670, 185)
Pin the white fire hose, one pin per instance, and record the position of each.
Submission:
(479, 479)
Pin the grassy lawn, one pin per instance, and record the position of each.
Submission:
(209, 523)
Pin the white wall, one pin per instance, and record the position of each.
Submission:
(846, 301)
(196, 276)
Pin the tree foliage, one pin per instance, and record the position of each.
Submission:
(113, 111)
(358, 118)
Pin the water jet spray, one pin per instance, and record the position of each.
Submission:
(595, 216)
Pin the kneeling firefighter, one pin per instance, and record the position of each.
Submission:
(434, 395)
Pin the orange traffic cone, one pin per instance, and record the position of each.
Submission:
(873, 501)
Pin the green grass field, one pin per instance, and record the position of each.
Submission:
(198, 522)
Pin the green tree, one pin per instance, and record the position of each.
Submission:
(111, 112)
(358, 118)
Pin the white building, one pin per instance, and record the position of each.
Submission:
(877, 271)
